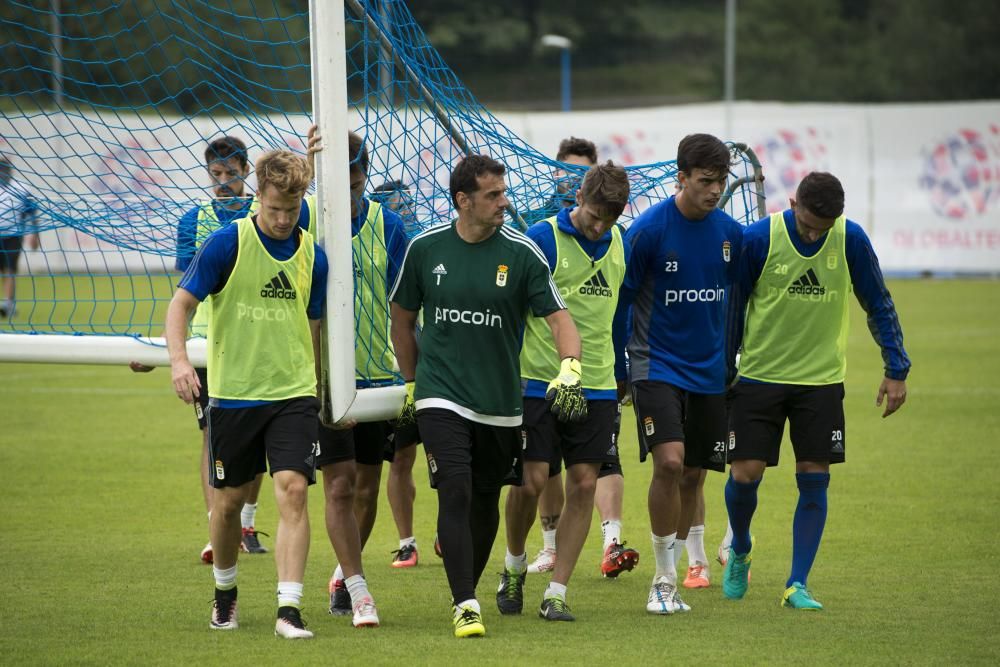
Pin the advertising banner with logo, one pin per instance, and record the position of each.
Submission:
(936, 172)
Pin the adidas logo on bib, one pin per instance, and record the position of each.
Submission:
(807, 285)
(597, 286)
(279, 287)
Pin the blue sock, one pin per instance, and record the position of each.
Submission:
(741, 501)
(807, 527)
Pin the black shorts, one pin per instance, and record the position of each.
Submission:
(491, 455)
(247, 441)
(757, 414)
(615, 468)
(201, 403)
(665, 413)
(590, 441)
(10, 253)
(368, 443)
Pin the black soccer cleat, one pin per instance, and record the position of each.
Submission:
(555, 609)
(510, 593)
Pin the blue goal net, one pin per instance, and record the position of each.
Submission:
(108, 108)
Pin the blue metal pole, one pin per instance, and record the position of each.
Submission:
(565, 80)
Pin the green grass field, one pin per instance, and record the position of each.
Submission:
(102, 522)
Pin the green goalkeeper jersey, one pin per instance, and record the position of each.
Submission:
(475, 298)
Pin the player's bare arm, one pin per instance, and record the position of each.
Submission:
(404, 340)
(182, 373)
(894, 394)
(565, 334)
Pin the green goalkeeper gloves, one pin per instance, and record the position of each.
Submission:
(565, 393)
(408, 415)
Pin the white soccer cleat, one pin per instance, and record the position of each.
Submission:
(290, 625)
(679, 604)
(545, 561)
(663, 598)
(723, 554)
(365, 613)
(224, 612)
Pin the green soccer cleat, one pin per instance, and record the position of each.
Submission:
(736, 576)
(798, 596)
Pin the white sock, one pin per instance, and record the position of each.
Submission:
(290, 594)
(358, 588)
(516, 564)
(612, 531)
(695, 544)
(407, 541)
(338, 574)
(549, 539)
(663, 552)
(727, 541)
(555, 591)
(248, 515)
(225, 579)
(679, 551)
(471, 603)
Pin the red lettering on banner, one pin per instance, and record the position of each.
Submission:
(974, 239)
(903, 238)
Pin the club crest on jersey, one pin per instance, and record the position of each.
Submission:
(831, 262)
(220, 472)
(502, 275)
(647, 424)
(726, 247)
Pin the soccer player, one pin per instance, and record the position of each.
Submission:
(227, 163)
(395, 195)
(677, 279)
(587, 257)
(476, 281)
(574, 151)
(351, 458)
(616, 557)
(263, 337)
(796, 273)
(17, 214)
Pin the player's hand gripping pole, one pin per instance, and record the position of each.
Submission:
(565, 392)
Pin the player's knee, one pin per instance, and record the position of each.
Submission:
(227, 502)
(339, 490)
(294, 491)
(403, 460)
(669, 467)
(689, 479)
(747, 471)
(581, 489)
(366, 494)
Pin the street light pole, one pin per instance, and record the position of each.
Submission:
(564, 44)
(729, 76)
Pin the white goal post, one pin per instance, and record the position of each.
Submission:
(339, 398)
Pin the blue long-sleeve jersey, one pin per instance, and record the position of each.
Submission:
(543, 236)
(187, 228)
(677, 285)
(866, 281)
